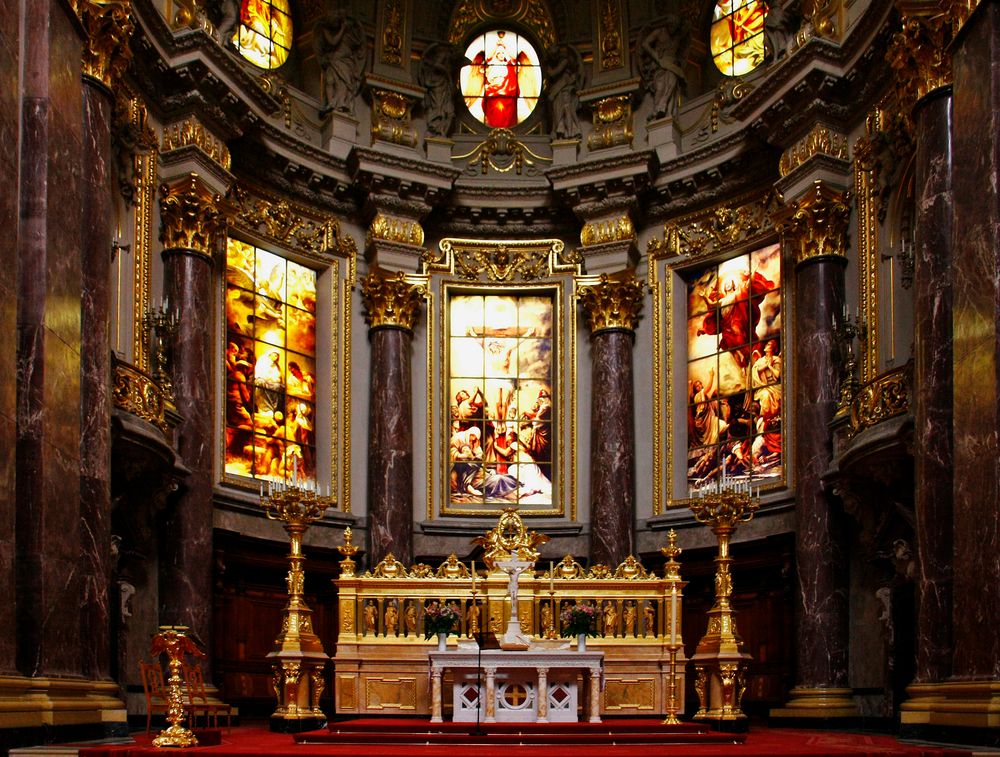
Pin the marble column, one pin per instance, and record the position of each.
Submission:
(612, 306)
(105, 53)
(932, 443)
(976, 329)
(47, 454)
(391, 308)
(190, 223)
(813, 230)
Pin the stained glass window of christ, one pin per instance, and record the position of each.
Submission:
(501, 433)
(270, 366)
(735, 399)
(264, 36)
(502, 82)
(737, 35)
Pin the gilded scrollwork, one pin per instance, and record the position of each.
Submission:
(393, 33)
(886, 397)
(106, 52)
(502, 261)
(389, 567)
(612, 303)
(391, 112)
(610, 39)
(612, 230)
(821, 140)
(707, 232)
(502, 152)
(510, 538)
(135, 392)
(393, 229)
(190, 218)
(920, 56)
(390, 299)
(631, 569)
(612, 122)
(190, 132)
(533, 14)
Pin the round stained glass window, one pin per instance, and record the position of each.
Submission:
(737, 35)
(502, 83)
(264, 36)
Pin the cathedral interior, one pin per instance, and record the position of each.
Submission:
(599, 263)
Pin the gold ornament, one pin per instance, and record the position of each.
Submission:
(821, 140)
(109, 26)
(612, 303)
(390, 300)
(815, 225)
(510, 538)
(174, 641)
(189, 216)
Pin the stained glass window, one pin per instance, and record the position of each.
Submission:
(734, 389)
(264, 36)
(737, 35)
(270, 366)
(502, 433)
(501, 84)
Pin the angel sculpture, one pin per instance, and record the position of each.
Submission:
(661, 53)
(566, 75)
(340, 48)
(437, 75)
(495, 79)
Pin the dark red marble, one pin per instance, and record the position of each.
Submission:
(9, 112)
(95, 381)
(976, 321)
(821, 562)
(48, 543)
(932, 448)
(390, 446)
(186, 537)
(612, 449)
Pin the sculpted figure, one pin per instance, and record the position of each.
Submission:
(565, 79)
(662, 50)
(437, 76)
(341, 50)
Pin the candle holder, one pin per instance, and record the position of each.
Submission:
(721, 660)
(298, 658)
(161, 327)
(174, 641)
(348, 550)
(673, 576)
(550, 627)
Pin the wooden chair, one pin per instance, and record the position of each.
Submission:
(154, 689)
(198, 701)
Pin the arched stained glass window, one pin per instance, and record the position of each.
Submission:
(502, 84)
(737, 35)
(264, 36)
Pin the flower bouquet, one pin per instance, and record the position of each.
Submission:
(578, 619)
(439, 618)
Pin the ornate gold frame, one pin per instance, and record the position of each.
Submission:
(314, 240)
(495, 267)
(739, 226)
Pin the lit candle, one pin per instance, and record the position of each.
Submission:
(552, 574)
(295, 471)
(673, 615)
(473, 575)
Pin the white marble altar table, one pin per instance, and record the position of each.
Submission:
(533, 685)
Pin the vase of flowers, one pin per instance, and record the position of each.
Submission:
(440, 620)
(578, 620)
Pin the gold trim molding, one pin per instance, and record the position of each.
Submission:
(135, 392)
(821, 140)
(502, 261)
(390, 300)
(393, 32)
(815, 225)
(190, 132)
(611, 230)
(190, 218)
(612, 121)
(534, 14)
(502, 152)
(106, 52)
(866, 185)
(612, 303)
(886, 397)
(391, 118)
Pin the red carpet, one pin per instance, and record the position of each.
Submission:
(615, 738)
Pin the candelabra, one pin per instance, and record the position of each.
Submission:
(673, 576)
(174, 641)
(721, 660)
(161, 326)
(298, 656)
(844, 333)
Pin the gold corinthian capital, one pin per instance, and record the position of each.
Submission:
(815, 225)
(190, 218)
(612, 303)
(390, 300)
(106, 52)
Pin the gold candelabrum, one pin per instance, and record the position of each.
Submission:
(673, 575)
(298, 659)
(174, 641)
(721, 660)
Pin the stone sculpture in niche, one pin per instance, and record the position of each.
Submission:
(437, 75)
(341, 50)
(780, 26)
(661, 54)
(566, 75)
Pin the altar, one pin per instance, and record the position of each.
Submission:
(534, 685)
